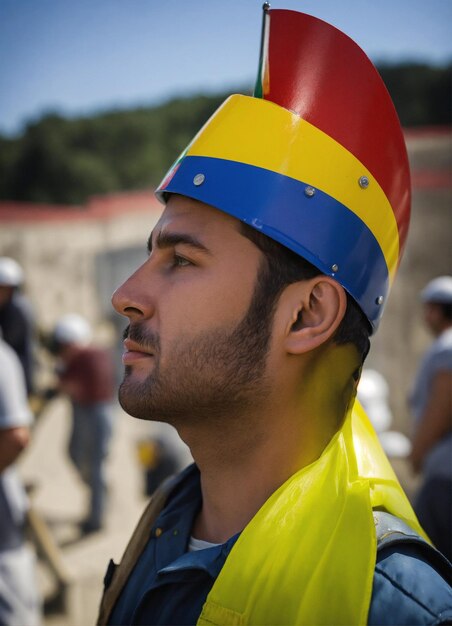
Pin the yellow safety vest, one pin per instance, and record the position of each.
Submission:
(308, 555)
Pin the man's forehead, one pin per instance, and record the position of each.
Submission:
(184, 212)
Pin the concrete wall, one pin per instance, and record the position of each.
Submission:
(74, 265)
(402, 338)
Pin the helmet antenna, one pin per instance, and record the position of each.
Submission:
(259, 87)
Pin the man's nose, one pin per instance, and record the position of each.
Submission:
(132, 298)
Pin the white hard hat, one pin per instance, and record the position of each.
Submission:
(438, 290)
(11, 274)
(72, 328)
(373, 393)
(395, 444)
(372, 384)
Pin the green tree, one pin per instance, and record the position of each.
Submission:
(58, 160)
(422, 94)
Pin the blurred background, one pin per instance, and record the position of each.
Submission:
(97, 99)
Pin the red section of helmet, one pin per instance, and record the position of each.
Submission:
(321, 74)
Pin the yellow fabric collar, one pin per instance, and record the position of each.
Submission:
(308, 555)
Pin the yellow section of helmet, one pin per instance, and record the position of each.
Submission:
(260, 133)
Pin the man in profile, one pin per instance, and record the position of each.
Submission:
(269, 268)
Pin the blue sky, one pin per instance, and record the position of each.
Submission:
(79, 56)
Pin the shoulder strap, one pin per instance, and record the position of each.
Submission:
(134, 548)
(391, 530)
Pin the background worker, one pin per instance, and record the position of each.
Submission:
(19, 599)
(431, 407)
(16, 317)
(86, 375)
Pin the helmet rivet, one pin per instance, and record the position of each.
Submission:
(335, 268)
(199, 179)
(379, 300)
(309, 191)
(363, 182)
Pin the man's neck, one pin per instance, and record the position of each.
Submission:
(232, 493)
(241, 469)
(244, 459)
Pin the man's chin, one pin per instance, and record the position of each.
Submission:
(131, 398)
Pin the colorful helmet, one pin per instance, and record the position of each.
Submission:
(315, 160)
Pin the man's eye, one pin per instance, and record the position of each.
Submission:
(180, 261)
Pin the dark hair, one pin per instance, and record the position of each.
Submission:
(285, 267)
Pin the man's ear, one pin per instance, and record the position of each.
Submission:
(315, 308)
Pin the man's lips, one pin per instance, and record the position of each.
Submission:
(134, 352)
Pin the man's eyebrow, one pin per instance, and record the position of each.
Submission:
(168, 240)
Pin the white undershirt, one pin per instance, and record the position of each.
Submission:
(199, 544)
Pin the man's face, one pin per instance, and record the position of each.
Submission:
(433, 318)
(6, 293)
(197, 341)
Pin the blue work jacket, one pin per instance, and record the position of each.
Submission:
(170, 585)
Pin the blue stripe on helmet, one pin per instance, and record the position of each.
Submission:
(317, 227)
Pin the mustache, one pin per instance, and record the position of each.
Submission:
(144, 337)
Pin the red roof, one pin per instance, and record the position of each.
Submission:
(97, 208)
